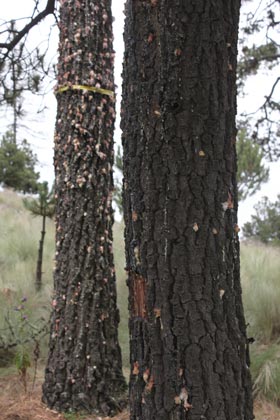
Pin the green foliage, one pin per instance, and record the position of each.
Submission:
(265, 370)
(265, 224)
(253, 57)
(17, 165)
(44, 205)
(22, 360)
(18, 331)
(260, 268)
(74, 416)
(251, 173)
(19, 334)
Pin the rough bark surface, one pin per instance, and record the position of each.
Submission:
(84, 370)
(188, 334)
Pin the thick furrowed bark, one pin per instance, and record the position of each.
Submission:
(84, 367)
(187, 328)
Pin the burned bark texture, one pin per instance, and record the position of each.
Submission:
(84, 369)
(188, 353)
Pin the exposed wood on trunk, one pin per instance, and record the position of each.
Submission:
(139, 296)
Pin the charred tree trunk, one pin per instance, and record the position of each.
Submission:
(188, 334)
(38, 282)
(84, 370)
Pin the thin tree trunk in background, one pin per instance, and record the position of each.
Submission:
(84, 369)
(38, 282)
(15, 100)
(187, 329)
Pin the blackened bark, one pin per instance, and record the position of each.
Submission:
(84, 369)
(188, 334)
(39, 273)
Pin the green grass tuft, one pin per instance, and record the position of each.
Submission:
(265, 369)
(260, 274)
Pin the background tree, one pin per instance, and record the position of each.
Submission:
(23, 67)
(265, 224)
(187, 329)
(84, 369)
(42, 206)
(251, 172)
(263, 18)
(17, 165)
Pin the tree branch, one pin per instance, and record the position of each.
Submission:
(47, 11)
(268, 98)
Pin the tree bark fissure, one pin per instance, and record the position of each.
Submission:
(84, 366)
(188, 354)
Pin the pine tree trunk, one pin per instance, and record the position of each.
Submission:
(84, 370)
(189, 351)
(38, 282)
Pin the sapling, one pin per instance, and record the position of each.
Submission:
(41, 206)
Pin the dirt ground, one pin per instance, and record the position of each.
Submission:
(15, 404)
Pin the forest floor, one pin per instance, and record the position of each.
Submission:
(15, 404)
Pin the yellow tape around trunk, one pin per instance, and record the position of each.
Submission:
(84, 87)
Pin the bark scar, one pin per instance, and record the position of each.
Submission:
(139, 295)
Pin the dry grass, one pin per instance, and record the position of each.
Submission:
(16, 405)
(260, 267)
(266, 411)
